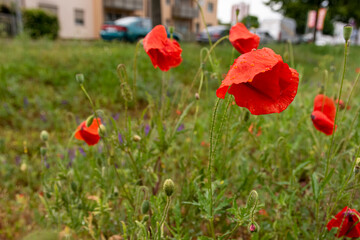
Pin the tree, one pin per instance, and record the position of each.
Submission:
(251, 21)
(341, 10)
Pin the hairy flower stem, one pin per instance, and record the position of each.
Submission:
(210, 167)
(166, 210)
(134, 69)
(337, 109)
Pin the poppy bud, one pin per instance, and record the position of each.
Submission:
(145, 218)
(136, 138)
(89, 121)
(126, 92)
(102, 130)
(347, 32)
(42, 151)
(80, 78)
(197, 96)
(44, 136)
(168, 187)
(23, 167)
(171, 30)
(357, 166)
(145, 206)
(252, 200)
(253, 227)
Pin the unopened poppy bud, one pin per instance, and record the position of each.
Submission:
(44, 136)
(89, 121)
(252, 200)
(80, 78)
(169, 187)
(126, 92)
(136, 138)
(145, 218)
(23, 167)
(357, 166)
(145, 206)
(102, 130)
(347, 32)
(253, 227)
(42, 151)
(197, 96)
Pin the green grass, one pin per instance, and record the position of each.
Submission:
(38, 91)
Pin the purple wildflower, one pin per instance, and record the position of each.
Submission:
(147, 129)
(181, 127)
(81, 151)
(121, 140)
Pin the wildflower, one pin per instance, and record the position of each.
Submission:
(261, 82)
(242, 39)
(347, 222)
(89, 134)
(164, 53)
(120, 138)
(147, 129)
(180, 128)
(357, 70)
(323, 115)
(178, 112)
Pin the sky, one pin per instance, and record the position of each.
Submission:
(257, 8)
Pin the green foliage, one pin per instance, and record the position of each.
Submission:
(114, 189)
(38, 23)
(251, 21)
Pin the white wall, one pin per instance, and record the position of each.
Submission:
(66, 16)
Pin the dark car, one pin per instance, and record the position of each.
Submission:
(129, 29)
(215, 32)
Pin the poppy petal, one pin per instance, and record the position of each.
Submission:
(261, 82)
(326, 105)
(163, 52)
(242, 39)
(89, 134)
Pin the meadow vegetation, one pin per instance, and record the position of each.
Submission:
(115, 188)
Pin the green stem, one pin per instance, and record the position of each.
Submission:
(134, 69)
(336, 114)
(167, 206)
(210, 168)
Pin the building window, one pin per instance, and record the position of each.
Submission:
(210, 7)
(79, 17)
(52, 9)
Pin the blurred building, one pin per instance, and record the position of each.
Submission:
(82, 19)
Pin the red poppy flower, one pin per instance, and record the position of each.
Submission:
(261, 82)
(89, 134)
(242, 39)
(347, 220)
(163, 52)
(323, 115)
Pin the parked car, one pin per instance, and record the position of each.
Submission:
(129, 29)
(215, 32)
(265, 36)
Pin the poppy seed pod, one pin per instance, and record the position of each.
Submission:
(347, 32)
(44, 136)
(136, 138)
(169, 187)
(89, 121)
(80, 78)
(357, 166)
